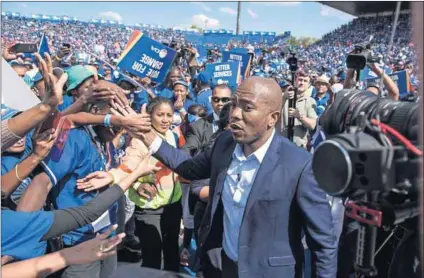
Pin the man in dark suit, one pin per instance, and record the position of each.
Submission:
(263, 193)
(197, 138)
(200, 132)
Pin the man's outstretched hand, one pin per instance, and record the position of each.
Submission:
(138, 125)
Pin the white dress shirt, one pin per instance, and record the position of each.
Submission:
(238, 183)
(215, 126)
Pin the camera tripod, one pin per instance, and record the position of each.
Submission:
(372, 216)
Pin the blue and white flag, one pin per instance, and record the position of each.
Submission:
(144, 56)
(44, 46)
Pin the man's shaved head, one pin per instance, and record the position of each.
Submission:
(256, 108)
(265, 89)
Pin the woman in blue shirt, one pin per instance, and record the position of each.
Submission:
(181, 102)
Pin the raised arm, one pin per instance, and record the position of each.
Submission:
(86, 252)
(196, 168)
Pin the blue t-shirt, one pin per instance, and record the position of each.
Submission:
(21, 233)
(8, 163)
(140, 98)
(321, 102)
(67, 102)
(191, 92)
(204, 98)
(80, 157)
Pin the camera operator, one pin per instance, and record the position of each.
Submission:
(304, 113)
(390, 85)
(213, 55)
(179, 57)
(190, 55)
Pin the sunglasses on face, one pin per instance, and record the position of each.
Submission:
(223, 99)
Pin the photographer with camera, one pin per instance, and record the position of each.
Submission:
(390, 85)
(190, 55)
(304, 113)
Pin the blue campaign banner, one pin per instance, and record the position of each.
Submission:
(244, 59)
(239, 50)
(144, 56)
(224, 73)
(367, 73)
(401, 79)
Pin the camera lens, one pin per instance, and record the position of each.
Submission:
(349, 104)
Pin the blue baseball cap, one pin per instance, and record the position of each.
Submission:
(123, 78)
(7, 112)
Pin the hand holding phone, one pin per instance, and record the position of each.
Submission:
(24, 48)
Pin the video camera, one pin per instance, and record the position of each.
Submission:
(372, 159)
(361, 55)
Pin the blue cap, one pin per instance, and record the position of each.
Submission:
(14, 62)
(37, 77)
(126, 79)
(180, 82)
(8, 113)
(204, 77)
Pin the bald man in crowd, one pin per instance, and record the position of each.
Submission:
(263, 195)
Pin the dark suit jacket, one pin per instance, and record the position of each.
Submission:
(198, 135)
(285, 199)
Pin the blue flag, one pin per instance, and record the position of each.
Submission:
(244, 60)
(146, 57)
(224, 73)
(44, 46)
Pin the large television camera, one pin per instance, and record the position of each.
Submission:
(371, 158)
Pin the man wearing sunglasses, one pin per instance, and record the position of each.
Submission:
(200, 132)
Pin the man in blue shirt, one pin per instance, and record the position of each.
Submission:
(165, 89)
(321, 94)
(203, 90)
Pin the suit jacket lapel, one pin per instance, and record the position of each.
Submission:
(209, 126)
(270, 161)
(225, 159)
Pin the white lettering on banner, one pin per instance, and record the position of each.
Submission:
(222, 74)
(138, 67)
(235, 57)
(149, 61)
(153, 73)
(395, 78)
(222, 67)
(154, 49)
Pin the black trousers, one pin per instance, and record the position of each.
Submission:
(229, 267)
(158, 231)
(199, 212)
(209, 270)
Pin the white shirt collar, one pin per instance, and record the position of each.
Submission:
(259, 153)
(215, 116)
